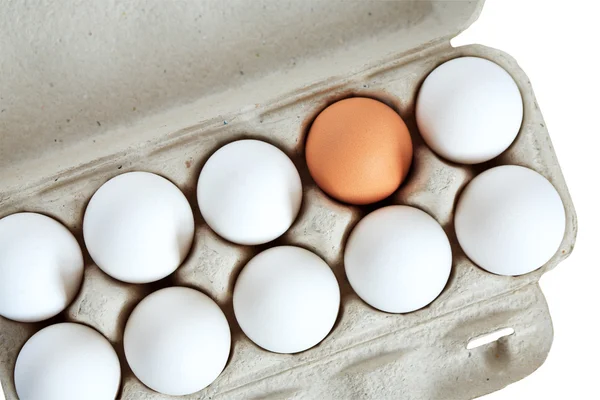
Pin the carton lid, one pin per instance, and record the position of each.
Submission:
(86, 81)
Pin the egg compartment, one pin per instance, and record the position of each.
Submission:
(369, 353)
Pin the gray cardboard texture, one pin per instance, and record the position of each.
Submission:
(95, 90)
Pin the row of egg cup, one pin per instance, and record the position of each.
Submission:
(138, 228)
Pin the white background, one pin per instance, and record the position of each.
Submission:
(557, 43)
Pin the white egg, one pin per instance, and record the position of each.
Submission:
(469, 110)
(249, 192)
(177, 341)
(67, 362)
(398, 259)
(510, 220)
(286, 299)
(138, 227)
(41, 267)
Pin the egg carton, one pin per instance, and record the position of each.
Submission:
(264, 70)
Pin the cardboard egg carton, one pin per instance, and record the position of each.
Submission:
(161, 88)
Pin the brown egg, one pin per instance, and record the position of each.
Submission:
(358, 150)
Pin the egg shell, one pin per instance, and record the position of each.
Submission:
(138, 227)
(177, 341)
(286, 299)
(249, 192)
(469, 110)
(358, 150)
(67, 361)
(510, 220)
(398, 259)
(41, 267)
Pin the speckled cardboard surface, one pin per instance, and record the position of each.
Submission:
(97, 90)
